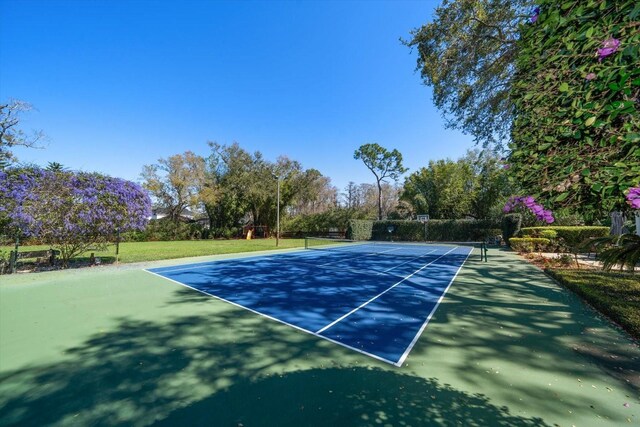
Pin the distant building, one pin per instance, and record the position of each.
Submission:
(158, 213)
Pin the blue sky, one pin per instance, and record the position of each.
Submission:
(118, 84)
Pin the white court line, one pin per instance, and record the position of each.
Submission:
(382, 293)
(358, 257)
(424, 325)
(413, 259)
(375, 356)
(207, 264)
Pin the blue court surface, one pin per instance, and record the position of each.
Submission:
(374, 299)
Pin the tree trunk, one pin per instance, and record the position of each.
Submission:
(379, 201)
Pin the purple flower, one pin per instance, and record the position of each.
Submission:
(534, 18)
(609, 47)
(590, 76)
(633, 197)
(530, 203)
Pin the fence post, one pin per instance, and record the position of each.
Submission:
(12, 261)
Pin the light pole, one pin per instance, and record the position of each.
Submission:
(277, 177)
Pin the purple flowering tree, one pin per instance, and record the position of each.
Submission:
(529, 203)
(70, 211)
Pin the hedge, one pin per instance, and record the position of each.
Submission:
(528, 244)
(359, 229)
(461, 230)
(572, 237)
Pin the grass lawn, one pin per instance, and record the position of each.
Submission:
(152, 251)
(617, 295)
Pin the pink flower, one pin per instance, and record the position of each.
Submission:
(609, 47)
(590, 76)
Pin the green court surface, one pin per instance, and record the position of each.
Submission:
(506, 347)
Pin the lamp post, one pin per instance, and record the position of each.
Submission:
(277, 177)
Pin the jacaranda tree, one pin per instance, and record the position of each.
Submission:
(576, 134)
(71, 211)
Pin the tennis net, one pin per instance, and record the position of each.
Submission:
(384, 247)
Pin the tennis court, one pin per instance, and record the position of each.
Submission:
(375, 297)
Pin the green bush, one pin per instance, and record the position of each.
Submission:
(359, 229)
(549, 234)
(529, 244)
(165, 230)
(570, 239)
(511, 224)
(411, 231)
(441, 230)
(461, 230)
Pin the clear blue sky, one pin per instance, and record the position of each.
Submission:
(118, 84)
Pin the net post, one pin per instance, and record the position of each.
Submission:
(306, 243)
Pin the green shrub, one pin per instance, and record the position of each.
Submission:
(359, 229)
(529, 244)
(461, 230)
(412, 231)
(164, 230)
(441, 230)
(570, 239)
(549, 234)
(511, 224)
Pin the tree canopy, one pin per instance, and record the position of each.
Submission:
(71, 211)
(382, 163)
(10, 133)
(467, 56)
(471, 186)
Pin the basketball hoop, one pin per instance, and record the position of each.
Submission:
(423, 218)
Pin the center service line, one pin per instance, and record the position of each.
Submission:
(382, 293)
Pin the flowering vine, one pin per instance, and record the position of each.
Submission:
(529, 202)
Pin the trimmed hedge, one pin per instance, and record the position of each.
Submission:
(529, 244)
(460, 230)
(572, 237)
(359, 229)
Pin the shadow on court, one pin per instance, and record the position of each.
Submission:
(345, 397)
(514, 311)
(225, 369)
(194, 360)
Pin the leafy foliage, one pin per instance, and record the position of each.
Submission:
(511, 224)
(10, 133)
(382, 163)
(176, 182)
(576, 136)
(70, 211)
(359, 229)
(623, 250)
(471, 186)
(467, 56)
(464, 230)
(529, 244)
(569, 238)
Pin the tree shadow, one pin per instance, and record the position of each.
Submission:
(510, 311)
(226, 368)
(345, 397)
